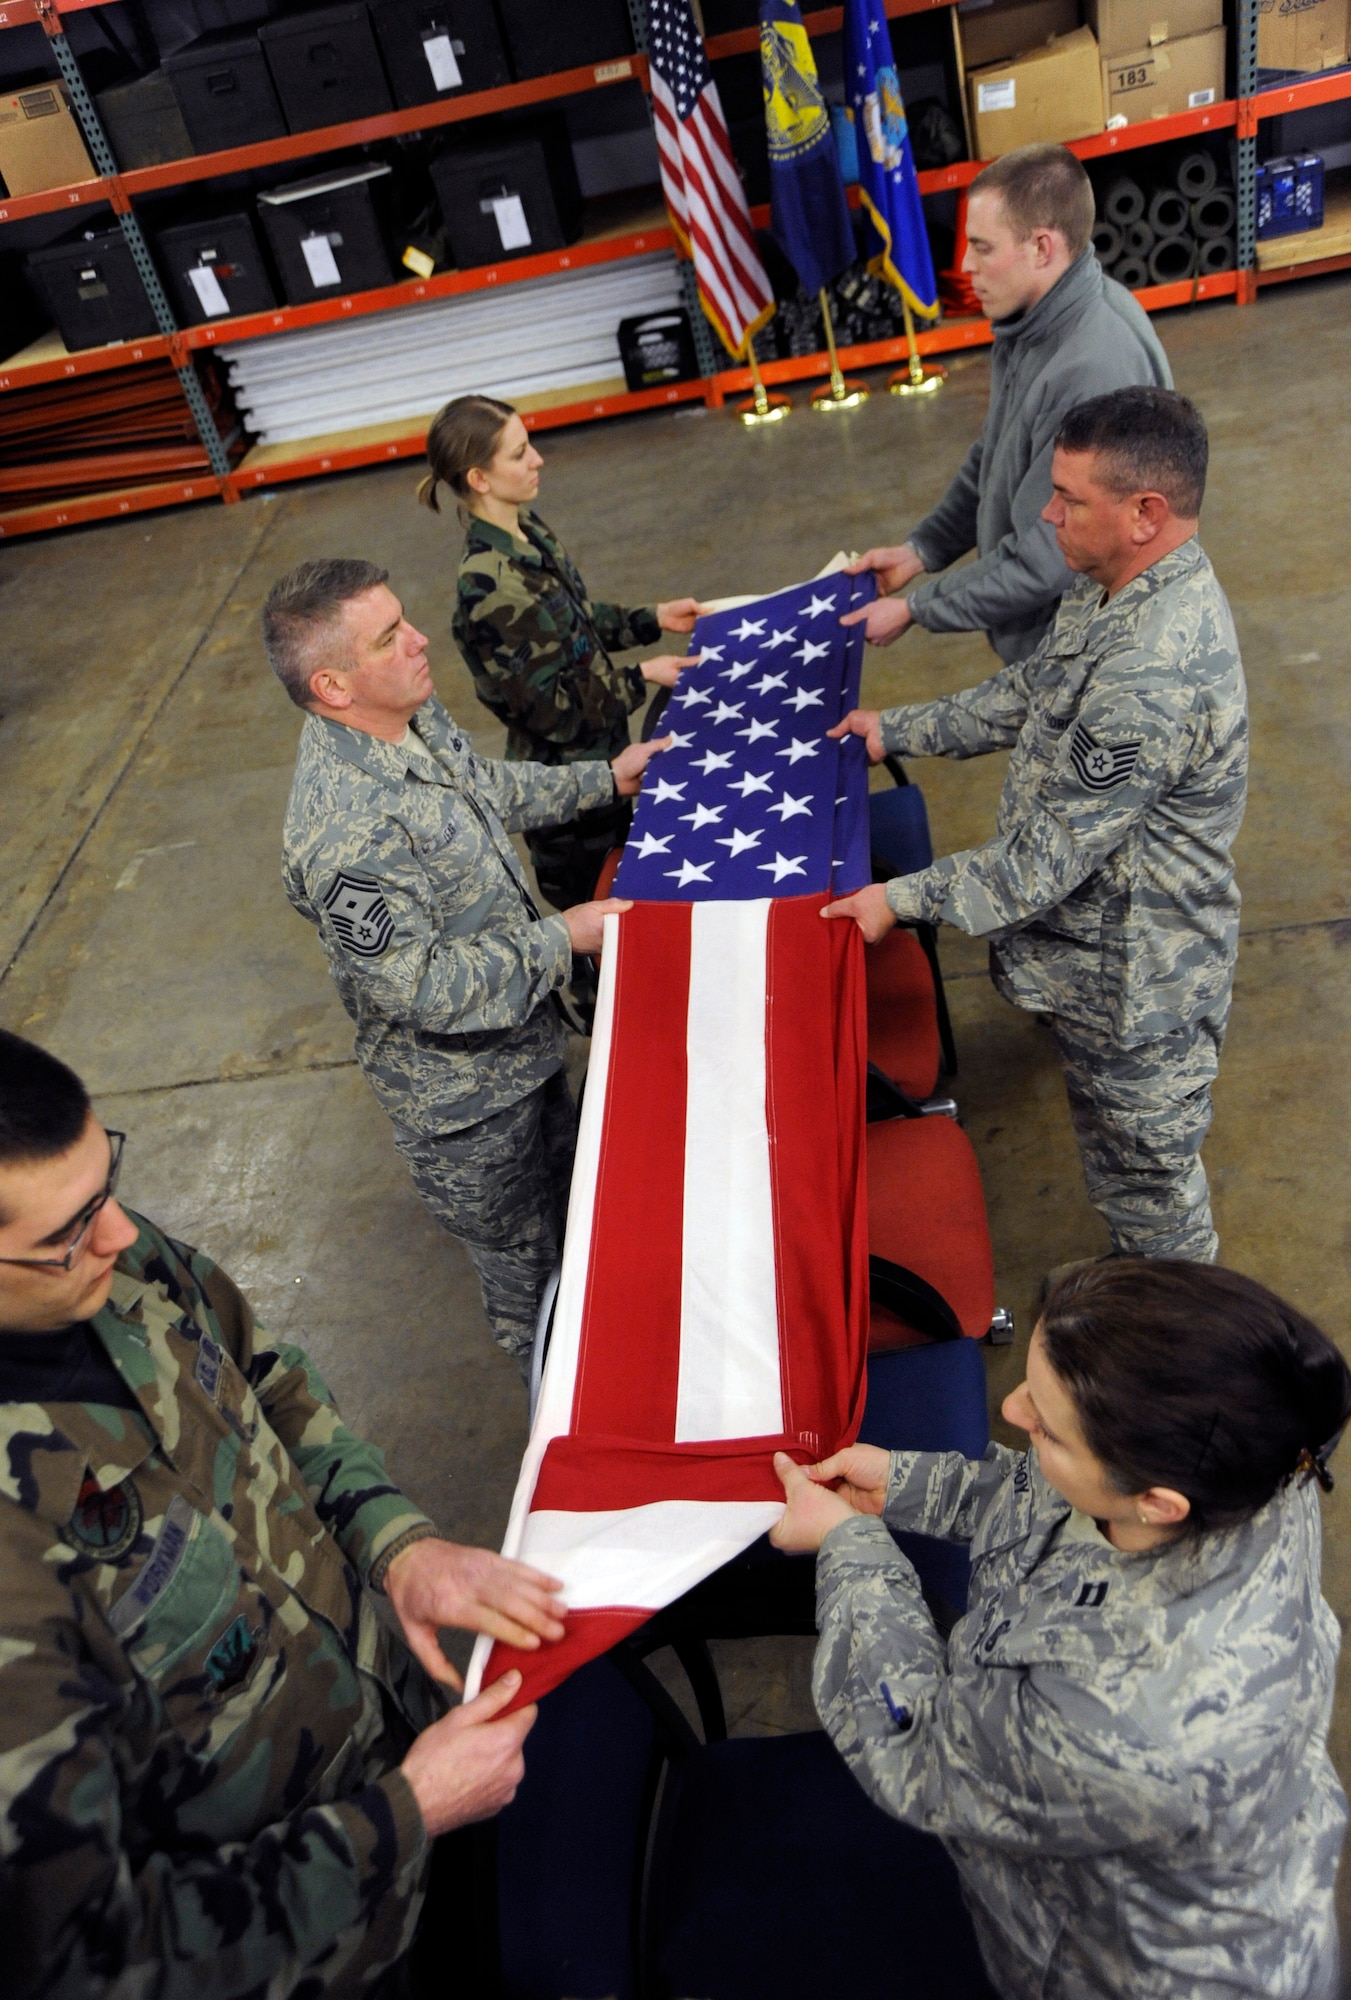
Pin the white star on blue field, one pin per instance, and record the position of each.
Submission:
(753, 799)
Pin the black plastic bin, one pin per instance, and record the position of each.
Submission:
(224, 90)
(144, 124)
(327, 234)
(656, 349)
(326, 66)
(544, 36)
(438, 48)
(92, 290)
(512, 196)
(214, 268)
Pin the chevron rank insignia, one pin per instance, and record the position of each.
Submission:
(360, 915)
(1100, 767)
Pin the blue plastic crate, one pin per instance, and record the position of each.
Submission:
(1290, 195)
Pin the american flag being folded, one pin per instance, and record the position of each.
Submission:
(712, 1306)
(699, 178)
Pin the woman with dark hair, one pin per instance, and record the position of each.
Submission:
(1123, 1743)
(537, 646)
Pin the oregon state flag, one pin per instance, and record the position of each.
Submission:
(809, 214)
(897, 245)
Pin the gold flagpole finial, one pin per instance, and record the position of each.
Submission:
(919, 378)
(838, 394)
(762, 407)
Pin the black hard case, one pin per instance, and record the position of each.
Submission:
(229, 244)
(544, 36)
(533, 161)
(92, 290)
(144, 124)
(224, 90)
(326, 66)
(350, 206)
(403, 27)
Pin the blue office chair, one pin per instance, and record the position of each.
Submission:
(898, 834)
(931, 1399)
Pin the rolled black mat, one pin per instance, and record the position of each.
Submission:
(1215, 254)
(1106, 242)
(1124, 201)
(1132, 272)
(1171, 259)
(1138, 239)
(1196, 174)
(1169, 213)
(1213, 215)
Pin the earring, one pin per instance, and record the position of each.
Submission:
(1143, 1516)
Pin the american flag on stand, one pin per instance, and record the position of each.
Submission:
(713, 1302)
(699, 178)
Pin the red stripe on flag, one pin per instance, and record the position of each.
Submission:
(629, 1363)
(816, 1029)
(599, 1475)
(586, 1635)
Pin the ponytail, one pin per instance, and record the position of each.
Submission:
(464, 434)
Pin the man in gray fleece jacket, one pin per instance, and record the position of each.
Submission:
(1062, 333)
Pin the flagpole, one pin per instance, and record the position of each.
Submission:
(762, 407)
(839, 395)
(920, 378)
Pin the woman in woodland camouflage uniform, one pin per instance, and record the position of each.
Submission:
(1123, 1745)
(537, 646)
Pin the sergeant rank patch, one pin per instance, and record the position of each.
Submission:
(360, 915)
(1101, 766)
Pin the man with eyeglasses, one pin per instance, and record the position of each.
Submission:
(221, 1770)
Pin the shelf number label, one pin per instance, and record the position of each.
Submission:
(612, 71)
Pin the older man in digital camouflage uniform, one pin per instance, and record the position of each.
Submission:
(221, 1773)
(1108, 891)
(396, 849)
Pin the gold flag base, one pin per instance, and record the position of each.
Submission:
(919, 378)
(762, 408)
(837, 394)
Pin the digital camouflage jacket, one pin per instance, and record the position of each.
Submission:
(1108, 891)
(1087, 336)
(1125, 1755)
(201, 1714)
(399, 857)
(536, 645)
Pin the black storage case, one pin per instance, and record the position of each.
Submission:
(544, 36)
(657, 348)
(326, 66)
(228, 247)
(416, 36)
(349, 209)
(224, 90)
(532, 163)
(92, 290)
(144, 124)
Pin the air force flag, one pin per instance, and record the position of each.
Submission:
(753, 799)
(898, 242)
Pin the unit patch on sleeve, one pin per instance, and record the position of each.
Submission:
(106, 1523)
(360, 915)
(1101, 766)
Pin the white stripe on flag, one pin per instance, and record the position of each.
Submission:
(729, 1383)
(644, 1557)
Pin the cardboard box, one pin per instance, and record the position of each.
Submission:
(1301, 34)
(40, 143)
(992, 31)
(1049, 94)
(1161, 82)
(1124, 25)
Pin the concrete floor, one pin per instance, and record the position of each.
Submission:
(146, 753)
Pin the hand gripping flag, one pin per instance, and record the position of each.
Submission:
(808, 208)
(712, 1307)
(699, 178)
(897, 244)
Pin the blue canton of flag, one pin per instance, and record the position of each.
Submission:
(809, 212)
(753, 799)
(898, 242)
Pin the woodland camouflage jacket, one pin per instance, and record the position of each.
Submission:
(1125, 1754)
(201, 1714)
(1108, 891)
(536, 645)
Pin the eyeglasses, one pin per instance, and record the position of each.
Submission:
(86, 1218)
